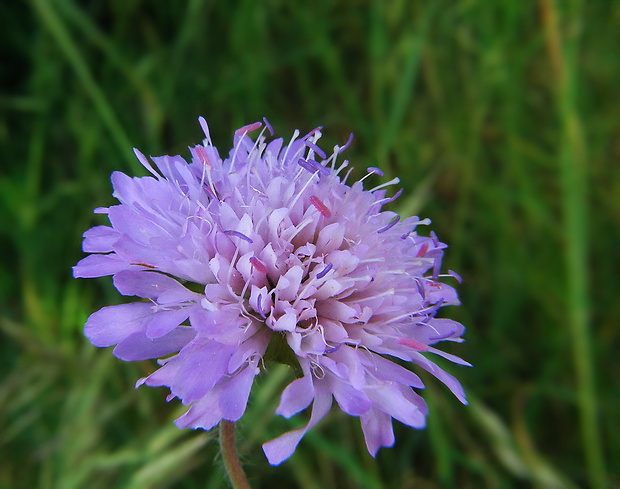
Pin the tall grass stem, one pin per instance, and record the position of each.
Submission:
(68, 47)
(574, 185)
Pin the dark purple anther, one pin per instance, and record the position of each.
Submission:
(458, 278)
(318, 167)
(346, 145)
(259, 307)
(323, 272)
(268, 126)
(393, 197)
(316, 149)
(305, 164)
(232, 232)
(389, 225)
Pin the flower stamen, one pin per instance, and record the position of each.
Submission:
(242, 131)
(268, 126)
(259, 306)
(232, 232)
(340, 149)
(202, 154)
(324, 272)
(315, 148)
(422, 251)
(413, 344)
(320, 206)
(256, 263)
(389, 225)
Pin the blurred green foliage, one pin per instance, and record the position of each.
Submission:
(500, 118)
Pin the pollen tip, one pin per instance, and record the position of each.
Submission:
(389, 225)
(413, 344)
(320, 206)
(259, 306)
(202, 155)
(325, 271)
(346, 145)
(256, 263)
(248, 128)
(375, 170)
(232, 232)
(268, 126)
(458, 278)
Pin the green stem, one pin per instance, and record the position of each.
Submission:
(574, 178)
(70, 49)
(235, 472)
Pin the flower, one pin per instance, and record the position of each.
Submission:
(270, 255)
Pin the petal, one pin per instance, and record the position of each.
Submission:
(296, 396)
(449, 380)
(437, 329)
(352, 401)
(227, 326)
(288, 284)
(112, 324)
(448, 356)
(204, 414)
(337, 310)
(388, 370)
(390, 400)
(163, 376)
(378, 431)
(100, 265)
(151, 285)
(139, 347)
(163, 322)
(286, 322)
(256, 345)
(202, 367)
(235, 392)
(330, 238)
(135, 225)
(99, 239)
(329, 289)
(281, 448)
(148, 254)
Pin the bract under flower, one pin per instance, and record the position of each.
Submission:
(271, 248)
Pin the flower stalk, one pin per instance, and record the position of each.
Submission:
(234, 470)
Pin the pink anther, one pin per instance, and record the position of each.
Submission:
(422, 251)
(320, 206)
(202, 154)
(413, 344)
(256, 263)
(249, 128)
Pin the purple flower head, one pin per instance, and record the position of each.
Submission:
(269, 255)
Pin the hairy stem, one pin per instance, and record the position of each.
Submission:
(235, 472)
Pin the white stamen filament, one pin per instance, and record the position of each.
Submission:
(394, 181)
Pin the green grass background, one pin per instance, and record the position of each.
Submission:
(502, 119)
